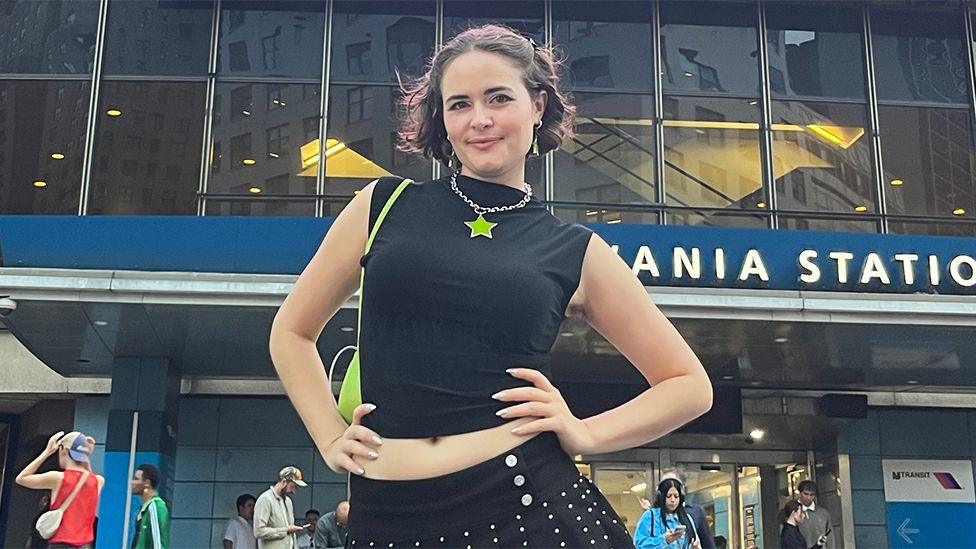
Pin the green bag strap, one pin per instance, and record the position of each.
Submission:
(369, 244)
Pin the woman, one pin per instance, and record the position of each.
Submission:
(464, 289)
(74, 452)
(791, 516)
(667, 525)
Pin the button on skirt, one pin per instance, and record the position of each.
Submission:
(531, 496)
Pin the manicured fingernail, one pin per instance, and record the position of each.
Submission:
(498, 395)
(510, 370)
(360, 471)
(373, 454)
(502, 413)
(371, 407)
(377, 439)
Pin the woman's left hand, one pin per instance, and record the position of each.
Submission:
(543, 401)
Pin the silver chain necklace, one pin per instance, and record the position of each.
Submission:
(481, 226)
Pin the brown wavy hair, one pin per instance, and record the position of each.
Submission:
(421, 114)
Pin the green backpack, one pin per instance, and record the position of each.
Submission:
(351, 394)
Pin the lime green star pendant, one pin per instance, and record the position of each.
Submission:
(480, 226)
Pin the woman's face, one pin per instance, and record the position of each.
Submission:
(489, 114)
(798, 516)
(672, 499)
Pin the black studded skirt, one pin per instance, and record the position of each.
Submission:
(530, 496)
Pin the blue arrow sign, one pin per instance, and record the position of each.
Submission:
(930, 525)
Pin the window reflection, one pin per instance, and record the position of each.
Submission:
(712, 218)
(710, 47)
(920, 55)
(831, 224)
(42, 144)
(159, 172)
(927, 156)
(822, 157)
(931, 228)
(601, 46)
(270, 152)
(264, 207)
(815, 50)
(48, 36)
(604, 215)
(611, 158)
(711, 149)
(282, 38)
(373, 39)
(158, 37)
(525, 17)
(360, 143)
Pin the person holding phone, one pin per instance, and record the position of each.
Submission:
(274, 514)
(792, 518)
(667, 525)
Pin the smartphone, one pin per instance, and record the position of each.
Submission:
(680, 529)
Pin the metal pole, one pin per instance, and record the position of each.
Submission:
(132, 472)
(86, 165)
(324, 108)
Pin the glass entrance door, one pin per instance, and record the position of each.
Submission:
(623, 485)
(741, 502)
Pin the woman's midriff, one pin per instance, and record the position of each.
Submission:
(420, 458)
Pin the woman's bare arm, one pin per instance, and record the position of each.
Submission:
(616, 305)
(330, 278)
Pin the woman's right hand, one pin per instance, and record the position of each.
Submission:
(672, 536)
(356, 444)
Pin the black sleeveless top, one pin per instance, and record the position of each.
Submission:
(444, 314)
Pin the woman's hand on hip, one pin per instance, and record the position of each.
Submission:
(357, 444)
(543, 401)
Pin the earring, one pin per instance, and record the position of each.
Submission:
(535, 139)
(453, 162)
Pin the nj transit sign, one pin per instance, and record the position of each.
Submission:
(794, 260)
(929, 503)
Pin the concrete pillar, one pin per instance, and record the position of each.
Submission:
(145, 399)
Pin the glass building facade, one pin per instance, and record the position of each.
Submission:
(847, 116)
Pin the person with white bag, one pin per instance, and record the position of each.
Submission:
(74, 490)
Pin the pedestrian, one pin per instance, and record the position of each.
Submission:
(152, 522)
(667, 525)
(816, 523)
(306, 537)
(274, 513)
(695, 511)
(792, 518)
(74, 489)
(239, 532)
(330, 532)
(461, 438)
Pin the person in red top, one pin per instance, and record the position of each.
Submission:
(74, 452)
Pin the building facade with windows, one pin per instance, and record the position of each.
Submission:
(794, 182)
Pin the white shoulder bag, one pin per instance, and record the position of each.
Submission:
(47, 524)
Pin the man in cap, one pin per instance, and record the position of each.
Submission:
(274, 514)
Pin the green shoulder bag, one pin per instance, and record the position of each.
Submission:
(350, 394)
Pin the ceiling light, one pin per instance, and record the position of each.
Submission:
(40, 184)
(958, 211)
(613, 221)
(57, 156)
(699, 131)
(100, 323)
(248, 161)
(860, 209)
(896, 182)
(688, 74)
(592, 212)
(273, 155)
(113, 112)
(347, 329)
(761, 205)
(912, 382)
(728, 377)
(577, 457)
(781, 340)
(754, 102)
(566, 334)
(246, 112)
(254, 190)
(757, 434)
